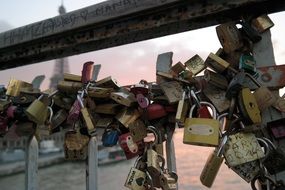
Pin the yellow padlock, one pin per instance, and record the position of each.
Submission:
(37, 111)
(15, 86)
(202, 131)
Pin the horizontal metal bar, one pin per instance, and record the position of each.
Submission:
(119, 22)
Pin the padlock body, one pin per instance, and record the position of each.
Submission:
(110, 138)
(249, 107)
(201, 132)
(75, 146)
(37, 112)
(88, 121)
(277, 128)
(242, 148)
(74, 112)
(153, 160)
(211, 169)
(138, 130)
(130, 148)
(195, 64)
(247, 171)
(155, 111)
(136, 179)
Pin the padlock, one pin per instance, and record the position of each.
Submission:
(202, 131)
(141, 88)
(264, 98)
(213, 164)
(23, 99)
(168, 180)
(74, 113)
(159, 134)
(108, 82)
(155, 111)
(126, 99)
(177, 69)
(155, 163)
(99, 93)
(38, 111)
(195, 64)
(87, 118)
(138, 130)
(277, 128)
(104, 122)
(63, 101)
(137, 177)
(86, 74)
(248, 64)
(262, 23)
(249, 170)
(69, 86)
(182, 109)
(242, 148)
(230, 37)
(248, 107)
(110, 136)
(235, 85)
(15, 86)
(217, 97)
(218, 64)
(163, 64)
(131, 149)
(57, 119)
(4, 104)
(250, 32)
(172, 90)
(186, 75)
(75, 146)
(216, 79)
(107, 108)
(127, 116)
(71, 77)
(142, 101)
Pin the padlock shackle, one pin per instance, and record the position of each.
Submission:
(264, 144)
(214, 112)
(158, 138)
(253, 80)
(223, 142)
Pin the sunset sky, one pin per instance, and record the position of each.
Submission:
(129, 63)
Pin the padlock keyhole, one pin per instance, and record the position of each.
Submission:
(251, 105)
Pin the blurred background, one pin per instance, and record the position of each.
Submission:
(128, 64)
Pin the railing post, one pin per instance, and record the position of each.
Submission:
(92, 165)
(170, 152)
(31, 158)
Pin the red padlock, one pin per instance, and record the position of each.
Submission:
(155, 111)
(87, 72)
(130, 148)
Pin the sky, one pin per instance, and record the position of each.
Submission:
(128, 63)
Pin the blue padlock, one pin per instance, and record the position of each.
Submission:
(110, 137)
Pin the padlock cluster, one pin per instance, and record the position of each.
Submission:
(221, 109)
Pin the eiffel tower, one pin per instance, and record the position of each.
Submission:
(61, 65)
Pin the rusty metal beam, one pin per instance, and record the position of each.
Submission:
(117, 22)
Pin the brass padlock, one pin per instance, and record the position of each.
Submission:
(71, 77)
(100, 93)
(242, 148)
(168, 180)
(4, 104)
(177, 69)
(108, 108)
(75, 146)
(37, 111)
(127, 116)
(216, 79)
(173, 91)
(108, 82)
(181, 112)
(104, 122)
(87, 118)
(126, 99)
(213, 164)
(58, 119)
(15, 86)
(137, 176)
(202, 131)
(138, 130)
(248, 107)
(69, 86)
(262, 23)
(230, 37)
(195, 64)
(155, 164)
(218, 64)
(63, 101)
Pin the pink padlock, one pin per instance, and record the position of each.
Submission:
(11, 112)
(74, 113)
